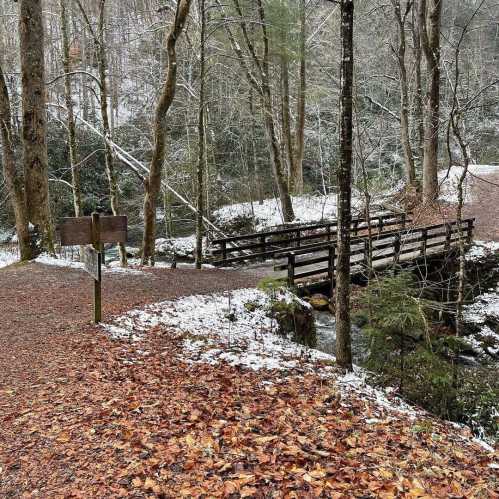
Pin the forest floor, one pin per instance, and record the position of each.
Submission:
(83, 415)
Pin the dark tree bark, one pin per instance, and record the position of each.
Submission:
(75, 172)
(201, 139)
(343, 326)
(401, 19)
(261, 84)
(296, 173)
(430, 12)
(31, 45)
(418, 94)
(13, 178)
(101, 53)
(279, 174)
(152, 183)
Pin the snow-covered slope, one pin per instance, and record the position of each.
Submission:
(307, 208)
(449, 180)
(7, 258)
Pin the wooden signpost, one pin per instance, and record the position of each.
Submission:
(92, 232)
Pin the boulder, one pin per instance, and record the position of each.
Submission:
(295, 319)
(319, 302)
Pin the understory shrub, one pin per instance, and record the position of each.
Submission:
(407, 351)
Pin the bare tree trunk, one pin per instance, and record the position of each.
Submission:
(429, 24)
(13, 179)
(404, 92)
(153, 181)
(34, 119)
(109, 157)
(261, 85)
(286, 116)
(296, 173)
(75, 172)
(100, 45)
(418, 96)
(256, 173)
(279, 174)
(201, 140)
(343, 326)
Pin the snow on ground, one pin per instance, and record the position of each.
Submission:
(62, 262)
(481, 249)
(449, 180)
(221, 328)
(7, 257)
(236, 328)
(485, 306)
(307, 208)
(179, 246)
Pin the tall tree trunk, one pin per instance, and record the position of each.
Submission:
(256, 173)
(13, 179)
(401, 18)
(35, 158)
(418, 94)
(260, 83)
(277, 163)
(201, 140)
(101, 53)
(296, 173)
(153, 181)
(343, 326)
(75, 172)
(429, 24)
(286, 116)
(104, 109)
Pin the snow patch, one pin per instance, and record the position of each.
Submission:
(235, 327)
(449, 180)
(307, 208)
(7, 258)
(482, 249)
(113, 267)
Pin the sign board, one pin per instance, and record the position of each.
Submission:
(92, 262)
(92, 232)
(77, 231)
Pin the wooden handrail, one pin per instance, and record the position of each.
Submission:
(256, 235)
(422, 241)
(272, 248)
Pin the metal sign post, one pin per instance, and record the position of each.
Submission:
(93, 232)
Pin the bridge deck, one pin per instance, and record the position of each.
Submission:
(357, 262)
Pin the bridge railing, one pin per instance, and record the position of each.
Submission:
(382, 250)
(268, 244)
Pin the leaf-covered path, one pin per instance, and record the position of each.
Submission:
(85, 416)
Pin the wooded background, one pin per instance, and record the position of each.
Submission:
(237, 159)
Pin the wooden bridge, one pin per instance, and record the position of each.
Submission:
(306, 255)
(263, 245)
(398, 247)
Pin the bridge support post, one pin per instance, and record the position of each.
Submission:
(263, 244)
(380, 225)
(330, 267)
(396, 249)
(424, 239)
(224, 250)
(469, 238)
(448, 236)
(291, 269)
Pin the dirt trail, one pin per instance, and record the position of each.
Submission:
(40, 305)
